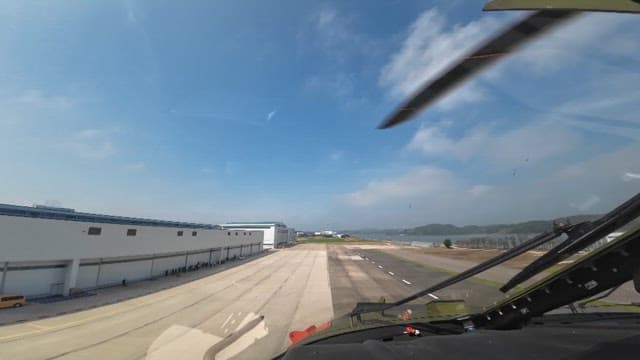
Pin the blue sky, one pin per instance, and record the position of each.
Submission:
(221, 111)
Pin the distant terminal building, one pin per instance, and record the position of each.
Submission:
(276, 234)
(56, 251)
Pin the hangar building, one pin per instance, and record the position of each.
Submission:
(55, 251)
(276, 234)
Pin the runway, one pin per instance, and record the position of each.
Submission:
(292, 288)
(369, 275)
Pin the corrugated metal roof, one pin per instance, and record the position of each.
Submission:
(69, 215)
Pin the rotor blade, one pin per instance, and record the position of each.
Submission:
(501, 45)
(621, 6)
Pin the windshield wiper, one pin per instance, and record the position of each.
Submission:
(583, 304)
(579, 235)
(530, 244)
(436, 329)
(582, 237)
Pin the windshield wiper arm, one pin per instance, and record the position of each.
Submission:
(585, 235)
(583, 304)
(579, 235)
(507, 255)
(436, 329)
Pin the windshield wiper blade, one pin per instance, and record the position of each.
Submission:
(507, 255)
(579, 235)
(436, 329)
(585, 235)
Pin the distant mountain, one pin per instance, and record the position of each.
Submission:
(448, 229)
(528, 227)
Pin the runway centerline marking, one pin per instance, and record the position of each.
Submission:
(406, 282)
(390, 273)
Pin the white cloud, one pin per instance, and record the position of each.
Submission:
(479, 190)
(589, 202)
(138, 166)
(336, 155)
(419, 181)
(131, 15)
(601, 127)
(340, 86)
(335, 34)
(440, 196)
(94, 144)
(603, 102)
(594, 94)
(90, 134)
(611, 104)
(629, 176)
(327, 21)
(431, 46)
(36, 98)
(533, 142)
(270, 115)
(231, 167)
(594, 33)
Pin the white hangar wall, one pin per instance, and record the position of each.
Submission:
(40, 256)
(276, 234)
(32, 239)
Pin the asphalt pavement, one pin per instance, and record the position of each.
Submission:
(290, 288)
(368, 274)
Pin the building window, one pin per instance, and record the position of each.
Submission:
(249, 234)
(194, 233)
(131, 232)
(95, 231)
(245, 234)
(236, 233)
(229, 233)
(180, 233)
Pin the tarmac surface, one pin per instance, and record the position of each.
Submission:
(39, 309)
(180, 318)
(289, 287)
(358, 274)
(625, 294)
